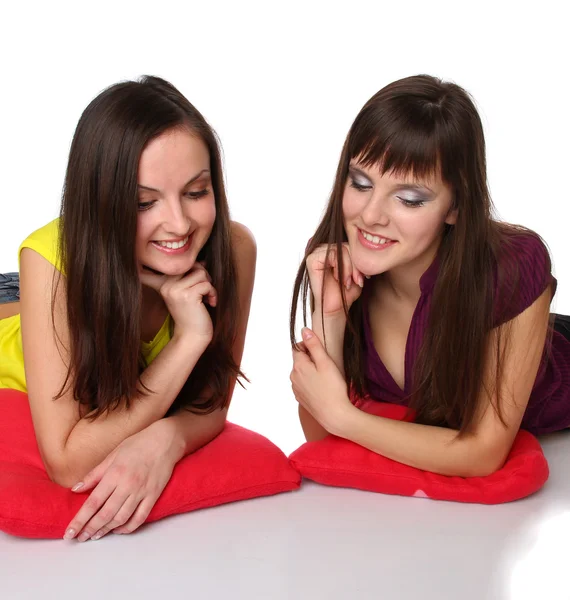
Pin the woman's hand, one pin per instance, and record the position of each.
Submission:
(127, 485)
(184, 296)
(319, 386)
(327, 273)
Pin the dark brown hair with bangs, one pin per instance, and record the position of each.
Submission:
(98, 225)
(423, 126)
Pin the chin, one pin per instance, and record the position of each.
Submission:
(177, 270)
(364, 264)
(371, 268)
(170, 269)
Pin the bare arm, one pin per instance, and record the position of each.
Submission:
(321, 269)
(436, 449)
(334, 329)
(141, 466)
(71, 446)
(190, 431)
(89, 442)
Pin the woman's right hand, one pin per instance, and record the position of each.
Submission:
(184, 296)
(329, 272)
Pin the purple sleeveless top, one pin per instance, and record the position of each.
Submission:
(548, 409)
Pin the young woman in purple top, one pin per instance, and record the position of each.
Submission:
(435, 304)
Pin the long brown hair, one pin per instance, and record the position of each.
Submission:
(98, 223)
(423, 126)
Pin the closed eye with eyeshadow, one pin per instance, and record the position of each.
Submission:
(362, 185)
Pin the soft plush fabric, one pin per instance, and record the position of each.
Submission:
(238, 464)
(338, 462)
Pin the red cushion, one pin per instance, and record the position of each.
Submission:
(236, 465)
(339, 462)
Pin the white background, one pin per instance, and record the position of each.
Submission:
(281, 84)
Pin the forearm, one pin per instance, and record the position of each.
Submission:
(425, 447)
(334, 328)
(312, 429)
(90, 441)
(188, 432)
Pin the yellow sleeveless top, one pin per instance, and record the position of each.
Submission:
(12, 375)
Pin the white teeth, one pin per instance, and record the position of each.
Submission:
(375, 239)
(173, 245)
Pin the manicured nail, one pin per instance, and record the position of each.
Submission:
(361, 281)
(83, 537)
(97, 536)
(68, 535)
(307, 333)
(77, 486)
(367, 276)
(349, 283)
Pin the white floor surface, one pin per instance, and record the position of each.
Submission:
(318, 543)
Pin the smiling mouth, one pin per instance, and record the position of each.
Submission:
(376, 240)
(174, 246)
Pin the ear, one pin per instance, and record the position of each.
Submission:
(451, 217)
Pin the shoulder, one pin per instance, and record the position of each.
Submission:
(525, 245)
(523, 256)
(523, 272)
(244, 250)
(243, 242)
(48, 234)
(45, 242)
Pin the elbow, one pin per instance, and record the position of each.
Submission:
(215, 426)
(311, 436)
(485, 461)
(62, 477)
(493, 464)
(479, 470)
(220, 422)
(312, 429)
(60, 471)
(494, 455)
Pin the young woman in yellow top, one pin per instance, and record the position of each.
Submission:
(134, 305)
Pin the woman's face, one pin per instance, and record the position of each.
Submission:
(394, 221)
(176, 202)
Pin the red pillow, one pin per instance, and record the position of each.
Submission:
(339, 462)
(236, 465)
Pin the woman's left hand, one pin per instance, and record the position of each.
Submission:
(126, 485)
(319, 386)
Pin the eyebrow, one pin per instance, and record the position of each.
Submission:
(401, 186)
(150, 189)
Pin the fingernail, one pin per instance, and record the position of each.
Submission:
(361, 281)
(307, 333)
(77, 486)
(68, 535)
(348, 283)
(367, 276)
(83, 537)
(97, 536)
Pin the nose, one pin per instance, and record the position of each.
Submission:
(375, 212)
(176, 221)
